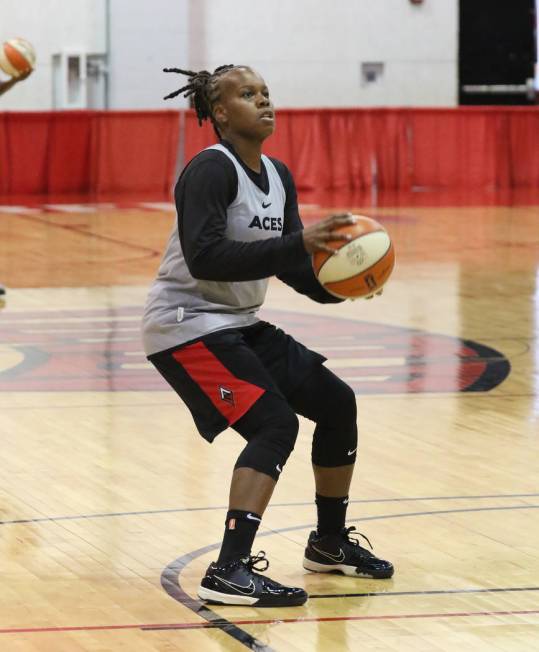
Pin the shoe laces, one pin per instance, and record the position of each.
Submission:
(352, 540)
(252, 560)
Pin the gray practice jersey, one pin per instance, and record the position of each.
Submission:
(181, 307)
(235, 229)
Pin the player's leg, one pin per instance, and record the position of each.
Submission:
(270, 428)
(224, 384)
(331, 404)
(316, 393)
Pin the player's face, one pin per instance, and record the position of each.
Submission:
(244, 108)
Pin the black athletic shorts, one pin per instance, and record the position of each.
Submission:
(221, 375)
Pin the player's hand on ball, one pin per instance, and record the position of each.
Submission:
(24, 75)
(316, 237)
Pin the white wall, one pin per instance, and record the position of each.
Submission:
(50, 25)
(147, 36)
(309, 51)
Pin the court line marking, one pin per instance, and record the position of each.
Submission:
(434, 396)
(377, 594)
(322, 619)
(70, 227)
(170, 577)
(268, 621)
(171, 584)
(85, 321)
(85, 329)
(175, 510)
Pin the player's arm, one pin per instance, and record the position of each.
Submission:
(301, 277)
(204, 192)
(5, 86)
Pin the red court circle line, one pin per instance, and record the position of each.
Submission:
(158, 626)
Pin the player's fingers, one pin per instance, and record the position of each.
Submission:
(348, 219)
(343, 219)
(339, 218)
(322, 247)
(335, 235)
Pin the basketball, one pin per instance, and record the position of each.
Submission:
(362, 265)
(17, 56)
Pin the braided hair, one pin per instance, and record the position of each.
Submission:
(204, 88)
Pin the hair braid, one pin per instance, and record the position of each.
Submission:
(204, 88)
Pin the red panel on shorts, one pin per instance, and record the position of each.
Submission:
(230, 395)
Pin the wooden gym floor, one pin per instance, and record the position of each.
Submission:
(111, 506)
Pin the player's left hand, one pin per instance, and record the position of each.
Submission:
(376, 294)
(371, 296)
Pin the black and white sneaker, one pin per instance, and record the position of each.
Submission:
(340, 553)
(235, 582)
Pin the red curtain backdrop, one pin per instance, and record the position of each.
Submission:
(134, 152)
(472, 148)
(88, 152)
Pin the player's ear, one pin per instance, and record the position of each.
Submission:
(220, 114)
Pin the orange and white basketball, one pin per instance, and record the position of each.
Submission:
(17, 56)
(362, 265)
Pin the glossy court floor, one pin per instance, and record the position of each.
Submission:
(111, 506)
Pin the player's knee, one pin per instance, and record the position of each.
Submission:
(335, 438)
(271, 443)
(338, 409)
(334, 446)
(327, 399)
(344, 400)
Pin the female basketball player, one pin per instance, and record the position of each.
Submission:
(238, 224)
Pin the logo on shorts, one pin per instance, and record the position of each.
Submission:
(227, 395)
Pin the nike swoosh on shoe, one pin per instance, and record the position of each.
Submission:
(246, 590)
(336, 558)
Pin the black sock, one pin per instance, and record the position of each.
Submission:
(240, 532)
(331, 514)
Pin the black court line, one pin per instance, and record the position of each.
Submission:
(177, 510)
(170, 577)
(379, 594)
(152, 627)
(170, 583)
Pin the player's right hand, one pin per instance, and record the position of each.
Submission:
(316, 237)
(24, 75)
